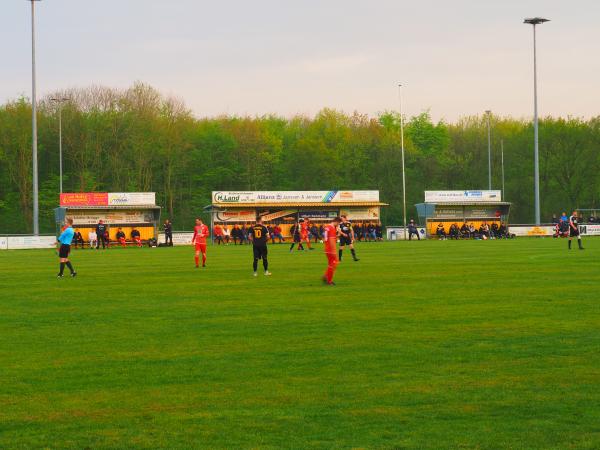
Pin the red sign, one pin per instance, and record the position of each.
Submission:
(84, 199)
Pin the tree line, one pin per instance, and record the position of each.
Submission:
(139, 140)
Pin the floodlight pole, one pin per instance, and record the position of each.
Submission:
(489, 133)
(60, 102)
(36, 219)
(502, 156)
(403, 166)
(536, 21)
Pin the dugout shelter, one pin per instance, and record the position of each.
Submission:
(471, 207)
(124, 210)
(285, 208)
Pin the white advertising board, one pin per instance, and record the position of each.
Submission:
(82, 217)
(131, 198)
(397, 233)
(590, 230)
(274, 197)
(462, 196)
(181, 238)
(30, 242)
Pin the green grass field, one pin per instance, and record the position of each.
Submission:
(420, 345)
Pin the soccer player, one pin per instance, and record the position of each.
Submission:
(346, 237)
(168, 228)
(330, 239)
(574, 230)
(259, 236)
(201, 232)
(304, 230)
(121, 237)
(296, 237)
(135, 236)
(65, 239)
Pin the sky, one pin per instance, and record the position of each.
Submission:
(454, 58)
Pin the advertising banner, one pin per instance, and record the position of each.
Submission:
(481, 213)
(107, 198)
(121, 217)
(590, 230)
(318, 215)
(532, 230)
(84, 199)
(397, 233)
(247, 215)
(30, 242)
(448, 213)
(131, 198)
(361, 213)
(274, 215)
(182, 238)
(462, 196)
(274, 197)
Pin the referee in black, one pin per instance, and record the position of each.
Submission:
(574, 230)
(259, 236)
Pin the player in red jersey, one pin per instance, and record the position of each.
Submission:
(304, 230)
(199, 241)
(330, 238)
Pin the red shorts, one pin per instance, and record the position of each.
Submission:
(201, 247)
(332, 258)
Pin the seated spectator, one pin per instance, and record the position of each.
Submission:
(440, 232)
(93, 238)
(465, 231)
(121, 237)
(473, 232)
(592, 219)
(484, 231)
(78, 239)
(235, 234)
(494, 230)
(107, 238)
(135, 237)
(379, 232)
(226, 234)
(454, 231)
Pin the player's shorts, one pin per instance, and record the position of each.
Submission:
(64, 250)
(573, 233)
(260, 251)
(305, 236)
(332, 259)
(345, 240)
(201, 247)
(297, 238)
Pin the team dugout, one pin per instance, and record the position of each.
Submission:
(284, 208)
(459, 207)
(126, 210)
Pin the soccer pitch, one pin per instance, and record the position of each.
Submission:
(420, 345)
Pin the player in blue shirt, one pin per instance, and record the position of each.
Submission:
(65, 239)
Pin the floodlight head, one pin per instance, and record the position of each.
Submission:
(536, 20)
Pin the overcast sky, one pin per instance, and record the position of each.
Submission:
(256, 57)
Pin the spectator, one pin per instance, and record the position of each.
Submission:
(473, 232)
(135, 237)
(371, 231)
(441, 232)
(101, 232)
(121, 237)
(277, 234)
(592, 219)
(454, 232)
(464, 231)
(78, 238)
(226, 234)
(314, 232)
(484, 231)
(107, 238)
(218, 234)
(235, 234)
(378, 232)
(494, 230)
(412, 229)
(93, 239)
(564, 217)
(168, 228)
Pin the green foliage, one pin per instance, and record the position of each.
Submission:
(138, 140)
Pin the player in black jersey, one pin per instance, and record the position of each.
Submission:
(259, 236)
(574, 230)
(346, 237)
